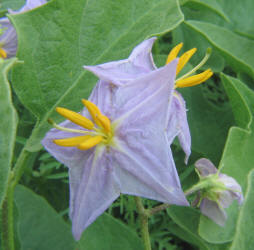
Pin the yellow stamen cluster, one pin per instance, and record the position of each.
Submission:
(3, 53)
(187, 80)
(93, 134)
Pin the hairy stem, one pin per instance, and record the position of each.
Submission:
(20, 166)
(157, 209)
(143, 223)
(164, 206)
(7, 221)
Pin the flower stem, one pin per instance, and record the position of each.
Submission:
(144, 223)
(157, 209)
(164, 206)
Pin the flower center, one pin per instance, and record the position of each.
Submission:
(187, 80)
(3, 53)
(98, 131)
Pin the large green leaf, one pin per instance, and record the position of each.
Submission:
(108, 233)
(238, 157)
(236, 49)
(8, 126)
(244, 232)
(63, 35)
(40, 227)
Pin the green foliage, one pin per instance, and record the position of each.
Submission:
(55, 41)
(204, 117)
(108, 233)
(64, 42)
(244, 238)
(237, 160)
(238, 57)
(8, 126)
(41, 223)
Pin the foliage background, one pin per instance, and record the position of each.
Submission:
(55, 41)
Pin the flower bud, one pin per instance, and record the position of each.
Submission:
(216, 191)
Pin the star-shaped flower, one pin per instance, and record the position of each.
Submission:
(140, 62)
(123, 147)
(8, 38)
(216, 191)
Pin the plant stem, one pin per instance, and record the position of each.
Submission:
(164, 206)
(143, 223)
(157, 209)
(7, 221)
(20, 166)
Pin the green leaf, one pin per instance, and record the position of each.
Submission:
(236, 49)
(183, 33)
(241, 111)
(58, 43)
(58, 176)
(40, 227)
(108, 233)
(202, 6)
(237, 160)
(239, 13)
(8, 126)
(187, 220)
(208, 120)
(216, 234)
(244, 232)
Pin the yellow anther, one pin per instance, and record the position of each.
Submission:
(93, 110)
(91, 137)
(3, 53)
(72, 141)
(76, 118)
(91, 142)
(174, 52)
(105, 122)
(184, 59)
(194, 80)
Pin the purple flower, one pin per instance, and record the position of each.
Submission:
(218, 191)
(139, 63)
(8, 38)
(123, 147)
(178, 123)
